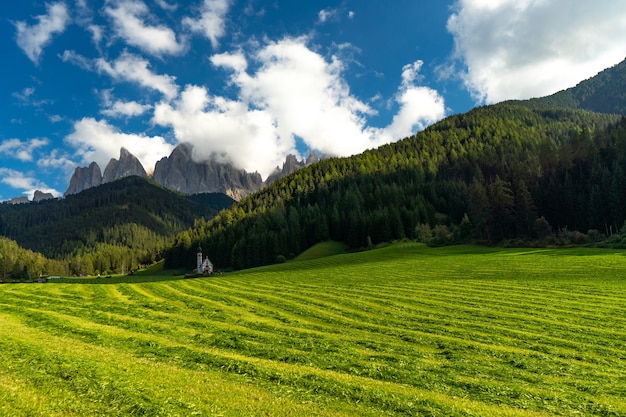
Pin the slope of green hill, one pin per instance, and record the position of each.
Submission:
(504, 172)
(604, 93)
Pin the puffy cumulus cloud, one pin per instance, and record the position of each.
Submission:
(294, 92)
(211, 21)
(24, 182)
(223, 129)
(125, 109)
(32, 39)
(22, 150)
(119, 108)
(57, 160)
(419, 106)
(96, 140)
(131, 22)
(528, 48)
(131, 68)
(235, 61)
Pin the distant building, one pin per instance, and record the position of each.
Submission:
(204, 267)
(199, 260)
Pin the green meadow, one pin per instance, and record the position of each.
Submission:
(403, 330)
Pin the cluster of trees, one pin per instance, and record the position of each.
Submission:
(509, 171)
(113, 228)
(19, 264)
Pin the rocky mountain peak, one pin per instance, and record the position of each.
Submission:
(291, 165)
(126, 166)
(40, 196)
(180, 172)
(312, 158)
(85, 177)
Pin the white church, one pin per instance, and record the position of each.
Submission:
(205, 267)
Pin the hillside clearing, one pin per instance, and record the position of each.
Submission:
(404, 330)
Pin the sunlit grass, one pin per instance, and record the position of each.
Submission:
(404, 330)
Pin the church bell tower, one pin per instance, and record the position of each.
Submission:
(199, 260)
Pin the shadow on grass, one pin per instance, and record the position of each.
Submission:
(153, 273)
(116, 279)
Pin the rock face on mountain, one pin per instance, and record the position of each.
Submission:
(84, 178)
(291, 165)
(126, 166)
(180, 172)
(41, 196)
(19, 200)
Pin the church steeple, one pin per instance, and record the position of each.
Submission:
(199, 260)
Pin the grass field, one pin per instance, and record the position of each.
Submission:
(404, 330)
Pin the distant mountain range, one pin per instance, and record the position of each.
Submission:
(180, 172)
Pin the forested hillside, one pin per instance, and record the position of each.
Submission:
(506, 171)
(604, 93)
(111, 228)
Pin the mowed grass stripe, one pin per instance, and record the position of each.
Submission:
(562, 345)
(362, 387)
(562, 351)
(374, 309)
(120, 384)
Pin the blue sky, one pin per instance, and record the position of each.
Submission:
(251, 81)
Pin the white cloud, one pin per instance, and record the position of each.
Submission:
(130, 23)
(525, 48)
(22, 150)
(98, 141)
(125, 109)
(32, 39)
(119, 108)
(223, 129)
(76, 59)
(96, 33)
(21, 181)
(27, 97)
(419, 108)
(325, 15)
(211, 21)
(410, 73)
(234, 61)
(166, 6)
(131, 68)
(55, 161)
(295, 93)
